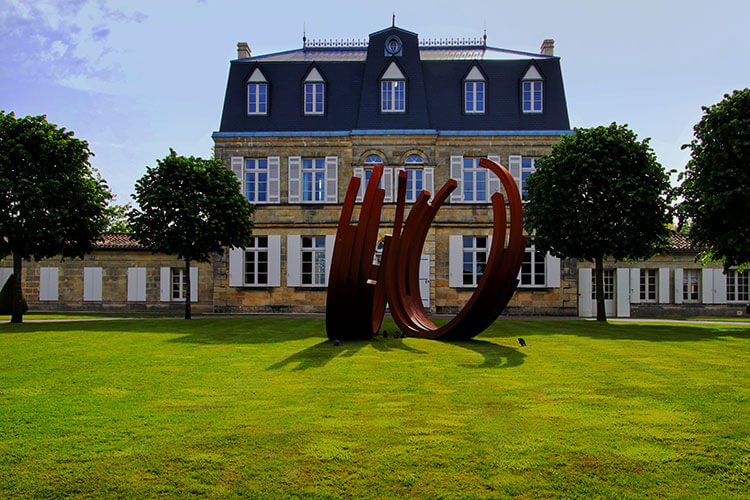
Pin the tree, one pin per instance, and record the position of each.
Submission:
(599, 193)
(117, 218)
(716, 206)
(52, 200)
(190, 207)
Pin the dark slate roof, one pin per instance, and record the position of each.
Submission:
(434, 90)
(118, 241)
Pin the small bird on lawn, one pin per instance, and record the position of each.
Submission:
(522, 342)
(336, 342)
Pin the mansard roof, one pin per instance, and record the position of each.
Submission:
(434, 72)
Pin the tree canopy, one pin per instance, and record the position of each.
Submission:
(52, 200)
(117, 218)
(191, 208)
(600, 192)
(716, 206)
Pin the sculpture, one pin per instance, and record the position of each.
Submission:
(358, 289)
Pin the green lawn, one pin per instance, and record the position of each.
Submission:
(253, 408)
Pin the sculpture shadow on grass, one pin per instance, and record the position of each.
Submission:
(319, 355)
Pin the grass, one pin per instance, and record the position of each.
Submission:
(256, 407)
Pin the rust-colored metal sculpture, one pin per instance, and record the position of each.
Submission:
(358, 289)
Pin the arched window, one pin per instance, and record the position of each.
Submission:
(374, 159)
(414, 160)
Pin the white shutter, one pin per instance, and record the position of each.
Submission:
(5, 273)
(552, 268)
(707, 280)
(493, 180)
(236, 266)
(678, 278)
(455, 261)
(330, 242)
(274, 179)
(48, 281)
(92, 284)
(274, 260)
(514, 166)
(428, 181)
(457, 174)
(585, 304)
(164, 283)
(424, 280)
(397, 170)
(193, 284)
(720, 287)
(360, 172)
(238, 169)
(136, 284)
(635, 285)
(663, 285)
(622, 280)
(332, 179)
(295, 178)
(293, 260)
(387, 183)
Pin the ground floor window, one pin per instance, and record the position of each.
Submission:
(648, 285)
(609, 284)
(475, 259)
(256, 261)
(314, 260)
(532, 268)
(179, 283)
(690, 285)
(737, 286)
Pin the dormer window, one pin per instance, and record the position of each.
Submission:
(474, 85)
(314, 93)
(532, 90)
(257, 93)
(393, 90)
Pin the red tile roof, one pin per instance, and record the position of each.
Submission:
(681, 243)
(118, 241)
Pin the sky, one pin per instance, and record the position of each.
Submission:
(135, 78)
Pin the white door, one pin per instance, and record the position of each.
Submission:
(424, 280)
(610, 305)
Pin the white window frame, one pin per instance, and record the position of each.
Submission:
(257, 102)
(473, 251)
(608, 277)
(529, 274)
(687, 274)
(476, 172)
(259, 251)
(389, 89)
(414, 159)
(315, 251)
(256, 171)
(177, 277)
(427, 182)
(530, 89)
(649, 283)
(316, 89)
(314, 167)
(470, 97)
(528, 167)
(738, 286)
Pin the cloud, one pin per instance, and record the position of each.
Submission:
(60, 40)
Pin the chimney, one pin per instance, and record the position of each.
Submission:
(243, 50)
(547, 48)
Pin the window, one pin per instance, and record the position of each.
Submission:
(256, 261)
(533, 268)
(532, 96)
(314, 260)
(414, 184)
(373, 160)
(475, 258)
(690, 280)
(179, 283)
(609, 284)
(737, 286)
(256, 180)
(313, 179)
(474, 180)
(393, 96)
(648, 285)
(257, 98)
(314, 98)
(528, 167)
(92, 284)
(474, 97)
(414, 160)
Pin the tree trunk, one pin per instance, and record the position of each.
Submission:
(601, 313)
(17, 316)
(187, 290)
